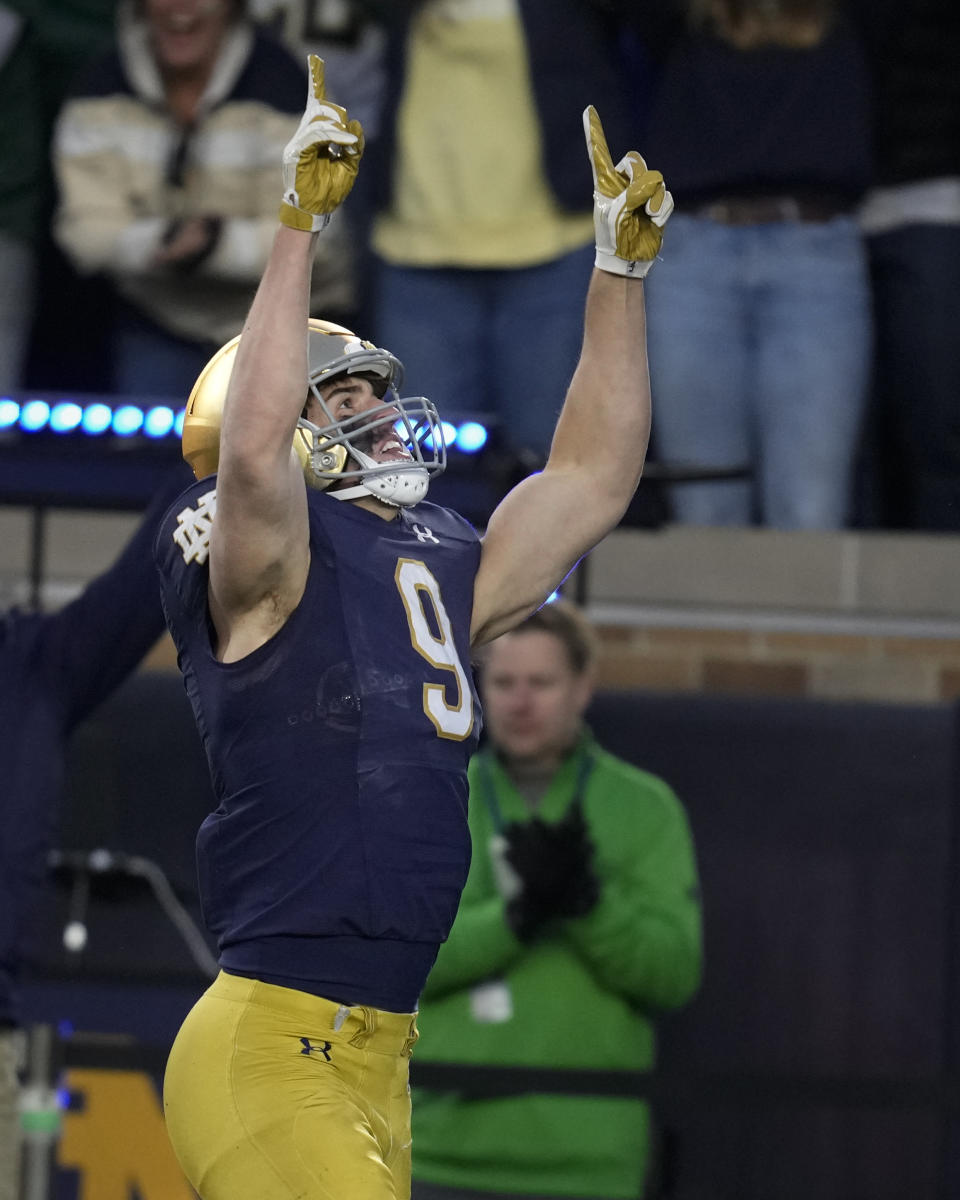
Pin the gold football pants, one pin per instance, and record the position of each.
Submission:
(271, 1092)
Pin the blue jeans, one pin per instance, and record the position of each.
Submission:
(760, 340)
(488, 343)
(149, 363)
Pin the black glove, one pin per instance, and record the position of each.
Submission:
(555, 866)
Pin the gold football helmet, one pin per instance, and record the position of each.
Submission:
(329, 452)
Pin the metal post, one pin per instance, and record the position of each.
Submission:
(39, 1115)
(38, 539)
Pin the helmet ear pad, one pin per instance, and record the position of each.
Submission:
(332, 459)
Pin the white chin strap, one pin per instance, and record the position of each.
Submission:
(401, 488)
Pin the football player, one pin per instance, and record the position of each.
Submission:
(324, 614)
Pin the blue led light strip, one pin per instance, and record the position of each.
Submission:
(94, 418)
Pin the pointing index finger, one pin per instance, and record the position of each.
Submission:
(605, 177)
(318, 89)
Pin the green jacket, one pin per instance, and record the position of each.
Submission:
(583, 995)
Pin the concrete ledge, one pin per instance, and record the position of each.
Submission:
(858, 616)
(767, 571)
(772, 620)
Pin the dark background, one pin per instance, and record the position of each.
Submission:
(820, 1057)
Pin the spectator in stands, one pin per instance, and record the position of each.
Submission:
(484, 254)
(166, 159)
(54, 669)
(350, 37)
(580, 919)
(760, 323)
(912, 219)
(53, 43)
(22, 152)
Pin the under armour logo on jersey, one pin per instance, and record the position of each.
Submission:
(309, 1048)
(425, 535)
(192, 533)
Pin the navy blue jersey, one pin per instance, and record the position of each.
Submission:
(338, 750)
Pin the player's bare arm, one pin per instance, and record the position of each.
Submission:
(259, 549)
(540, 530)
(550, 520)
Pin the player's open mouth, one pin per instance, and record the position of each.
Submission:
(390, 450)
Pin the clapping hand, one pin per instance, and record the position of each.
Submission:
(554, 863)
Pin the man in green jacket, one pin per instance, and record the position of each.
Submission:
(579, 921)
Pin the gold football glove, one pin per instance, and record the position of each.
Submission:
(630, 206)
(320, 161)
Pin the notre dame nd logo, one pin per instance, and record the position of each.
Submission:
(192, 533)
(115, 1141)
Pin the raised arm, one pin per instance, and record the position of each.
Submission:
(259, 549)
(88, 647)
(540, 530)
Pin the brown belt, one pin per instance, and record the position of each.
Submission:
(765, 210)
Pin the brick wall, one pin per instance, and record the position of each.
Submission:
(893, 668)
(837, 667)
